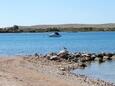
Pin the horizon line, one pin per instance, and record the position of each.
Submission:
(57, 24)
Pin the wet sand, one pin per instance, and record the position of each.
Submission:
(34, 71)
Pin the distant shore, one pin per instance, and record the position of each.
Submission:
(60, 28)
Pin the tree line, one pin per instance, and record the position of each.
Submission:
(17, 29)
(13, 29)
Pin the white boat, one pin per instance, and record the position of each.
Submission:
(55, 34)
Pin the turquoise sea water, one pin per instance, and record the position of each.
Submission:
(30, 43)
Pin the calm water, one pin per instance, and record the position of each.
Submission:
(30, 43)
(104, 71)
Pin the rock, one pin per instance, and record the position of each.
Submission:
(77, 55)
(82, 59)
(107, 58)
(101, 60)
(96, 59)
(82, 65)
(48, 57)
(61, 73)
(88, 58)
(75, 60)
(65, 51)
(85, 55)
(62, 51)
(36, 55)
(93, 56)
(110, 54)
(71, 57)
(62, 69)
(54, 57)
(63, 54)
(100, 55)
(113, 57)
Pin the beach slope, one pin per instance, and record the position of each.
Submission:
(29, 71)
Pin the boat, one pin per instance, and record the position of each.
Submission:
(55, 34)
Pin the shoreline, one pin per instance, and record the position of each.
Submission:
(67, 67)
(39, 71)
(60, 28)
(84, 58)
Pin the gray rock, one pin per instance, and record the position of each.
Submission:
(82, 65)
(54, 57)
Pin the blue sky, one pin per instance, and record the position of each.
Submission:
(34, 12)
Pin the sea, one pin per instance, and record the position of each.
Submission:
(12, 44)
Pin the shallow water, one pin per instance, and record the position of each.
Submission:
(30, 43)
(104, 71)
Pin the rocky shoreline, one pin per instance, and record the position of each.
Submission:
(52, 69)
(69, 61)
(41, 70)
(81, 58)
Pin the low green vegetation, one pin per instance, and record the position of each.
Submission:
(59, 28)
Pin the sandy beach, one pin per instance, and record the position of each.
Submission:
(34, 71)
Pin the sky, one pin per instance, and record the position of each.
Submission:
(35, 12)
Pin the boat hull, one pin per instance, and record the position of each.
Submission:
(54, 35)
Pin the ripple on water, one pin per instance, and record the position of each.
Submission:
(29, 43)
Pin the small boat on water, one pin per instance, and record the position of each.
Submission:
(55, 34)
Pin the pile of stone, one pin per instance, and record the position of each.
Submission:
(78, 57)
